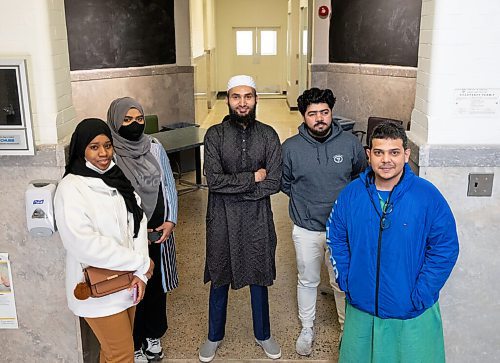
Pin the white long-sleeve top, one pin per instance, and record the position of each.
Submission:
(97, 230)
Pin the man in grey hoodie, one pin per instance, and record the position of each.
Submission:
(318, 163)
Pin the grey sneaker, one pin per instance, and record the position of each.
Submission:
(208, 350)
(140, 357)
(271, 347)
(304, 343)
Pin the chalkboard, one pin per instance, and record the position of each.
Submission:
(375, 31)
(120, 33)
(10, 107)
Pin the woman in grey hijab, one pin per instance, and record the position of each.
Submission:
(145, 163)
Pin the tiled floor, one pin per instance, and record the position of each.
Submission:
(188, 304)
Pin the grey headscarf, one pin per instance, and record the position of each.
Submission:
(134, 157)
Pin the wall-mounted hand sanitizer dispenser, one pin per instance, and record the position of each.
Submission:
(40, 207)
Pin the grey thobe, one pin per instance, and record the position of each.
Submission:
(241, 239)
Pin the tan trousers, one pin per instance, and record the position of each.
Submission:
(114, 333)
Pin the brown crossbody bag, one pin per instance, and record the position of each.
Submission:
(101, 282)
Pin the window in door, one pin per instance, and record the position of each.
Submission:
(244, 42)
(257, 41)
(268, 42)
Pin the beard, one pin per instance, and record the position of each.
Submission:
(245, 120)
(320, 134)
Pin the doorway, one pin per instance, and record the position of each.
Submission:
(305, 41)
(257, 52)
(259, 38)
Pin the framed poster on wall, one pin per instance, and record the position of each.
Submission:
(16, 136)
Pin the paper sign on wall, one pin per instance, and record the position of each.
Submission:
(8, 314)
(477, 102)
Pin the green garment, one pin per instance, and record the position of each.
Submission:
(370, 339)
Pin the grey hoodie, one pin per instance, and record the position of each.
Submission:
(314, 173)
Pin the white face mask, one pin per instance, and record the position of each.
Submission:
(89, 165)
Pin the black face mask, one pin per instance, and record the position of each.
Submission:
(132, 132)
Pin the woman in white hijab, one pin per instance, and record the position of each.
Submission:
(145, 163)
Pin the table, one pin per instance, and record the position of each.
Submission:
(184, 138)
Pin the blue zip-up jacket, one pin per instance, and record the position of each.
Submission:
(396, 272)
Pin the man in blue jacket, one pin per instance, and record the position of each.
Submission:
(317, 163)
(394, 243)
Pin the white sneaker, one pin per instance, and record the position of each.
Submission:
(305, 341)
(140, 357)
(152, 349)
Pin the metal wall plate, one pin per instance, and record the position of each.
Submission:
(480, 185)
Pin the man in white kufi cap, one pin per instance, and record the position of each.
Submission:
(243, 169)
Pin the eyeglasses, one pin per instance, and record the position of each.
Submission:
(385, 223)
(138, 119)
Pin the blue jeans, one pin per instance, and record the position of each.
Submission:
(217, 312)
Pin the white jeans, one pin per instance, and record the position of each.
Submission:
(311, 252)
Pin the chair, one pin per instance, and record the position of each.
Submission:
(152, 128)
(373, 121)
(151, 124)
